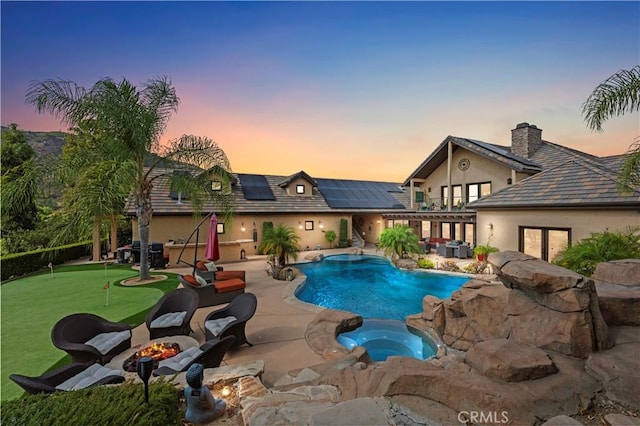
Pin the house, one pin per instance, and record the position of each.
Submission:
(311, 206)
(534, 196)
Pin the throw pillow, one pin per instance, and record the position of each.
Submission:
(201, 281)
(201, 266)
(210, 266)
(191, 280)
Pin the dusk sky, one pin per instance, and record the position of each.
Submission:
(354, 90)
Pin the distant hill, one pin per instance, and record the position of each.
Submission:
(51, 143)
(44, 143)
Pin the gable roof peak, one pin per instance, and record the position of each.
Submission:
(301, 174)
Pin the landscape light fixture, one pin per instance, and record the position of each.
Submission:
(144, 368)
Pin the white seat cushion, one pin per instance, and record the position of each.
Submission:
(87, 377)
(172, 319)
(202, 281)
(184, 358)
(104, 342)
(215, 326)
(210, 266)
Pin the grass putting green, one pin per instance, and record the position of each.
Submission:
(32, 305)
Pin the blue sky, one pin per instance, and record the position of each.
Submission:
(362, 90)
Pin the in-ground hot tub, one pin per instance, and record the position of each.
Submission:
(384, 338)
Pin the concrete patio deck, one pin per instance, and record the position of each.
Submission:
(277, 330)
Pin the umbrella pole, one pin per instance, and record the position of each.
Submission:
(197, 232)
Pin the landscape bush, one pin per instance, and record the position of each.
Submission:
(343, 237)
(584, 256)
(449, 266)
(17, 264)
(475, 267)
(425, 263)
(100, 405)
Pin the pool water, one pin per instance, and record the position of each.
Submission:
(384, 338)
(371, 286)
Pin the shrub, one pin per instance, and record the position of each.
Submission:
(450, 266)
(584, 256)
(101, 405)
(343, 237)
(266, 228)
(17, 264)
(475, 267)
(425, 263)
(330, 236)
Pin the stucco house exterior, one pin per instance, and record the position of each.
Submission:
(534, 196)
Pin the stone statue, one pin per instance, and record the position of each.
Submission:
(202, 407)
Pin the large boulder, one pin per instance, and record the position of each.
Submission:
(510, 361)
(618, 287)
(536, 304)
(622, 272)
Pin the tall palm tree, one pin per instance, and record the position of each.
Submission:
(128, 123)
(398, 240)
(617, 95)
(280, 243)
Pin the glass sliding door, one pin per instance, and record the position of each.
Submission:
(543, 243)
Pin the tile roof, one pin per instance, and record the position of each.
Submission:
(395, 199)
(573, 183)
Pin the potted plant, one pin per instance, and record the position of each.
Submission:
(482, 252)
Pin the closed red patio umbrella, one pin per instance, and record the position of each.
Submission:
(212, 251)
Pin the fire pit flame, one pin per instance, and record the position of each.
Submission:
(157, 352)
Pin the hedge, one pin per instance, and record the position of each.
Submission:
(343, 240)
(100, 405)
(17, 264)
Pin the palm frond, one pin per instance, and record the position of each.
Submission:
(62, 98)
(617, 95)
(629, 174)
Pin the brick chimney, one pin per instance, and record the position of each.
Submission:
(526, 139)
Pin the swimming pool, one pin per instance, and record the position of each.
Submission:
(371, 286)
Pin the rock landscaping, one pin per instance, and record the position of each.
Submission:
(528, 346)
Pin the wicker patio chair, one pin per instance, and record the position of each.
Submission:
(232, 319)
(172, 314)
(70, 377)
(209, 354)
(90, 338)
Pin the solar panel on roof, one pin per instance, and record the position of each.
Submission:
(255, 187)
(358, 194)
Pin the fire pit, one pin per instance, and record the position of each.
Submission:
(157, 352)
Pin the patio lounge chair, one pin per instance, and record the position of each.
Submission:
(213, 293)
(70, 377)
(209, 354)
(232, 319)
(90, 338)
(172, 314)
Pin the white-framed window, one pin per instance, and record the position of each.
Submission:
(300, 189)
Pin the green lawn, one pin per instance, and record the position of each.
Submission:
(32, 305)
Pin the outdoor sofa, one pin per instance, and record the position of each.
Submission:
(213, 293)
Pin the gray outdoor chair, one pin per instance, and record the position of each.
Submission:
(90, 338)
(209, 354)
(232, 319)
(172, 314)
(70, 377)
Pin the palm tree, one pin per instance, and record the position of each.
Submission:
(280, 243)
(617, 95)
(398, 240)
(128, 123)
